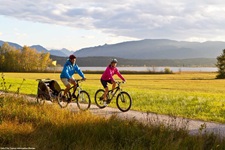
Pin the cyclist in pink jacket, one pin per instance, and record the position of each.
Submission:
(107, 77)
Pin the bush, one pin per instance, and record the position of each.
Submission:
(168, 71)
(221, 66)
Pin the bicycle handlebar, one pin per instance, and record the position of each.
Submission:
(120, 82)
(80, 80)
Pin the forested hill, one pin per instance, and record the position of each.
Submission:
(156, 49)
(143, 49)
(103, 61)
(149, 52)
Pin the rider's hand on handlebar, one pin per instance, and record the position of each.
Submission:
(124, 81)
(83, 79)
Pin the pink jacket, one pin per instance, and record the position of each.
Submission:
(109, 72)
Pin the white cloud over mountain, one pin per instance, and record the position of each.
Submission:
(175, 19)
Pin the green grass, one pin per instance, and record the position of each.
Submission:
(189, 95)
(26, 124)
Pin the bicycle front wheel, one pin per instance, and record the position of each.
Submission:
(63, 102)
(123, 101)
(83, 100)
(99, 98)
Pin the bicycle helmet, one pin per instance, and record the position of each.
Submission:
(114, 61)
(72, 57)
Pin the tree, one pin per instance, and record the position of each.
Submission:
(14, 60)
(25, 59)
(31, 59)
(6, 59)
(221, 66)
(2, 58)
(45, 61)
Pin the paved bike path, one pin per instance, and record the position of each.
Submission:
(194, 126)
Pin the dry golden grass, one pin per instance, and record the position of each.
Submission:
(190, 95)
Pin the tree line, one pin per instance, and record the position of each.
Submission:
(23, 60)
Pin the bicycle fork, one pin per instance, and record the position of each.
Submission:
(122, 96)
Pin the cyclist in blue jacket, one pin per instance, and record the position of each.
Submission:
(69, 69)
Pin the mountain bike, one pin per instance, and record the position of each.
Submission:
(123, 99)
(82, 97)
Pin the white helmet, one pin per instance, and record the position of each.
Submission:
(114, 60)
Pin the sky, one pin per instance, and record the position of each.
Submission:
(75, 24)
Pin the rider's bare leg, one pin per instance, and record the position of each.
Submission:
(113, 85)
(67, 89)
(105, 93)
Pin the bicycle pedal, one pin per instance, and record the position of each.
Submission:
(108, 101)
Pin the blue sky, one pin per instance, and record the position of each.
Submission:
(73, 24)
(52, 36)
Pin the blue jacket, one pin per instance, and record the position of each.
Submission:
(70, 69)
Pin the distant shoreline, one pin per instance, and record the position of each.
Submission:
(144, 70)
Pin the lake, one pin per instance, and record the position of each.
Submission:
(157, 69)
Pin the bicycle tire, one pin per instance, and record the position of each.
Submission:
(62, 103)
(123, 101)
(40, 99)
(83, 100)
(98, 98)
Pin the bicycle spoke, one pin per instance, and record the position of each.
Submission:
(83, 100)
(99, 98)
(62, 101)
(123, 101)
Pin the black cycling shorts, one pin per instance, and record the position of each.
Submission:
(105, 83)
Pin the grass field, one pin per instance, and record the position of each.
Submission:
(190, 95)
(26, 125)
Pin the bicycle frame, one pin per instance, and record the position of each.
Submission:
(74, 90)
(118, 88)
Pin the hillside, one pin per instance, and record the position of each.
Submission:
(39, 48)
(144, 49)
(103, 61)
(62, 52)
(156, 49)
(149, 52)
(17, 46)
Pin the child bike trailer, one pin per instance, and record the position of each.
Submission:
(48, 90)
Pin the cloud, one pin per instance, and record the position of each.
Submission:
(176, 19)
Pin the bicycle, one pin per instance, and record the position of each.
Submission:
(82, 98)
(123, 99)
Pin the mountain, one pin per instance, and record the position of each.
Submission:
(104, 61)
(17, 46)
(39, 48)
(63, 52)
(148, 49)
(155, 49)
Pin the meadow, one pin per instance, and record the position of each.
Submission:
(27, 125)
(189, 95)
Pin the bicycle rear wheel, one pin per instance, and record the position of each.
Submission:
(123, 101)
(99, 98)
(63, 102)
(83, 100)
(40, 99)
